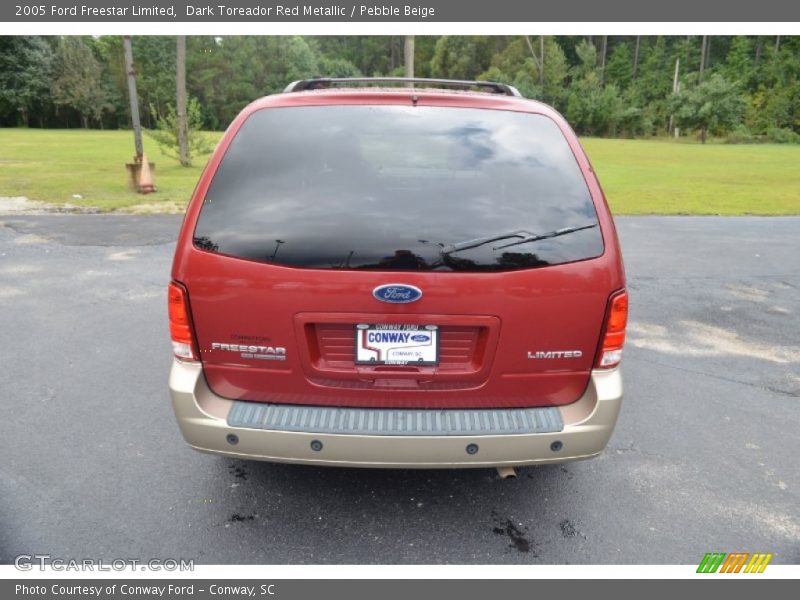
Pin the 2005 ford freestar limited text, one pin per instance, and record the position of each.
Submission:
(381, 275)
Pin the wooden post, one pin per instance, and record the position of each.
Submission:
(541, 63)
(180, 85)
(408, 56)
(702, 58)
(603, 60)
(135, 168)
(133, 96)
(675, 90)
(678, 129)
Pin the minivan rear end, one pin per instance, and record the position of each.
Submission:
(407, 277)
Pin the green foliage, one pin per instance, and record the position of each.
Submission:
(516, 65)
(774, 135)
(226, 74)
(715, 105)
(166, 132)
(556, 70)
(633, 121)
(773, 108)
(26, 64)
(587, 60)
(154, 59)
(424, 47)
(300, 62)
(739, 63)
(782, 135)
(461, 57)
(337, 67)
(654, 78)
(370, 54)
(619, 69)
(80, 81)
(595, 109)
(742, 135)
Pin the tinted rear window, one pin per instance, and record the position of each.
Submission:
(400, 188)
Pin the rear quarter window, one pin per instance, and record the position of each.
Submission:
(399, 188)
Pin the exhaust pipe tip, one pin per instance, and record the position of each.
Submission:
(507, 472)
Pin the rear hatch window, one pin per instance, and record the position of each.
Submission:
(399, 188)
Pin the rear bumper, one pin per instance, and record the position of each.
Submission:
(585, 427)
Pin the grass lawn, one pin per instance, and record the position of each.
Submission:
(665, 177)
(53, 164)
(639, 176)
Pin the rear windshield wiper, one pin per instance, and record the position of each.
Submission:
(524, 237)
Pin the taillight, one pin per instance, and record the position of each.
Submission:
(614, 334)
(180, 327)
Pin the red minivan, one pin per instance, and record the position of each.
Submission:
(389, 272)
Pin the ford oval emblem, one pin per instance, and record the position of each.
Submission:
(397, 293)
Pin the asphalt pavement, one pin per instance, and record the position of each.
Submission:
(704, 457)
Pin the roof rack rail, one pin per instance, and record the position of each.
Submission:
(326, 82)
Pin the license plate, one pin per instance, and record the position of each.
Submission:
(397, 344)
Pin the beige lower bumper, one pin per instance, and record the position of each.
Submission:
(202, 417)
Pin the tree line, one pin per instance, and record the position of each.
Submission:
(746, 88)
